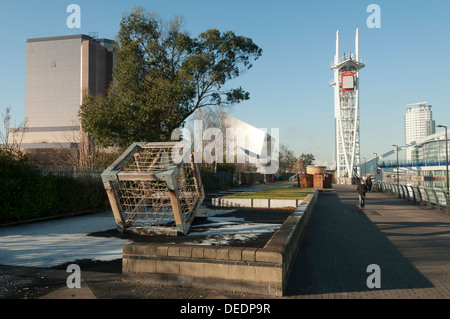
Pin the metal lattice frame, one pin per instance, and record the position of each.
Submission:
(150, 193)
(347, 113)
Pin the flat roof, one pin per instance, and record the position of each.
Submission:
(418, 105)
(64, 37)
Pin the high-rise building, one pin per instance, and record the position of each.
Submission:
(419, 123)
(58, 71)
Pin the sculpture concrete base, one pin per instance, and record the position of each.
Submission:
(246, 269)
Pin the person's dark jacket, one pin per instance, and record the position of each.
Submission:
(362, 189)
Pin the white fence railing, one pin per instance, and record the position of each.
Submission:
(431, 198)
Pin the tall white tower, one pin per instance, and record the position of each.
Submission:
(418, 124)
(346, 110)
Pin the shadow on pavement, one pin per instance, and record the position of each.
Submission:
(339, 244)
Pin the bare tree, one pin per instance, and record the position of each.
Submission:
(287, 159)
(11, 139)
(6, 117)
(83, 152)
(210, 117)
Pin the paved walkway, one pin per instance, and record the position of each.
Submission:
(411, 245)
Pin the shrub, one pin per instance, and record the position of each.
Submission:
(209, 180)
(25, 194)
(79, 195)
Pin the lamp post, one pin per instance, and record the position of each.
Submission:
(365, 167)
(376, 168)
(446, 155)
(415, 160)
(398, 178)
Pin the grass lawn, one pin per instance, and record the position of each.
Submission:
(276, 193)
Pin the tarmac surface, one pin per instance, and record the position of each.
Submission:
(409, 244)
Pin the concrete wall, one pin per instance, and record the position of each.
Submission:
(97, 65)
(53, 81)
(58, 70)
(60, 136)
(255, 202)
(53, 156)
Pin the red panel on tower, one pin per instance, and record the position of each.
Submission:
(348, 81)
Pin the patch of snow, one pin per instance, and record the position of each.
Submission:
(229, 228)
(51, 243)
(54, 242)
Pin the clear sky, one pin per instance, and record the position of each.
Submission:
(407, 59)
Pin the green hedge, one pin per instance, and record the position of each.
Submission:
(209, 180)
(79, 195)
(25, 194)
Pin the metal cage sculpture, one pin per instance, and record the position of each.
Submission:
(150, 193)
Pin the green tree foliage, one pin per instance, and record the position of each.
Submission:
(306, 160)
(289, 163)
(162, 76)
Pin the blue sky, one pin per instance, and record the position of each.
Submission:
(406, 59)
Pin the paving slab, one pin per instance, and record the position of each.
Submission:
(410, 244)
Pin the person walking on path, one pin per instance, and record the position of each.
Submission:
(362, 190)
(369, 184)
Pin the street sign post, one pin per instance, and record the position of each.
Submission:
(379, 175)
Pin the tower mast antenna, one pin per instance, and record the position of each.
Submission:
(347, 112)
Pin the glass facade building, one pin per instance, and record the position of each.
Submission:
(427, 165)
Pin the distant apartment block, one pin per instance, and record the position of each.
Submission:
(58, 70)
(419, 123)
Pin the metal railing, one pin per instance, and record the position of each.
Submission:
(73, 172)
(430, 198)
(415, 163)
